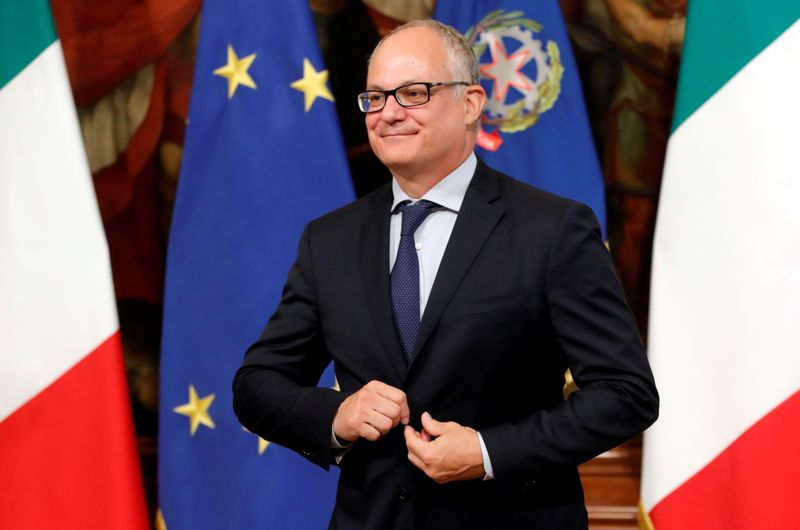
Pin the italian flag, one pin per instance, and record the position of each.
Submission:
(725, 309)
(67, 447)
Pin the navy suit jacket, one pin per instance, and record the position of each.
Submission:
(526, 289)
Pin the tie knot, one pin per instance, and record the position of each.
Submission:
(414, 214)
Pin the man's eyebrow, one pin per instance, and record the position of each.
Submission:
(402, 83)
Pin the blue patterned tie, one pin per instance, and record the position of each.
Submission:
(405, 275)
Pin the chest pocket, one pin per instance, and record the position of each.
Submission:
(493, 304)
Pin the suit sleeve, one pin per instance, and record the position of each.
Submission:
(274, 392)
(597, 333)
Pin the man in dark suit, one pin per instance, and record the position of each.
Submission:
(451, 303)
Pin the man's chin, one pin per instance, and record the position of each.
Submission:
(395, 157)
(399, 164)
(398, 142)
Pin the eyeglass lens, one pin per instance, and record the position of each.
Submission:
(407, 96)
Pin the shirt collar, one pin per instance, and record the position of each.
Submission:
(448, 192)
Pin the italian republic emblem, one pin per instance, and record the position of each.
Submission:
(524, 83)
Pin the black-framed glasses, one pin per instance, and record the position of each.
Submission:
(410, 95)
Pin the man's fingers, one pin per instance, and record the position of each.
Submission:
(387, 391)
(412, 437)
(379, 421)
(433, 427)
(414, 441)
(371, 412)
(414, 459)
(409, 433)
(395, 395)
(398, 397)
(376, 406)
(368, 432)
(387, 408)
(405, 414)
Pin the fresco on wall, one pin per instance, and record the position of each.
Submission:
(628, 52)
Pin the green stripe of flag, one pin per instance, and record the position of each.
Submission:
(722, 37)
(26, 29)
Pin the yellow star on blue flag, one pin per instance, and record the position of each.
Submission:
(262, 443)
(235, 71)
(312, 84)
(196, 410)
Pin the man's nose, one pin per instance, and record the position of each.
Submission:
(392, 111)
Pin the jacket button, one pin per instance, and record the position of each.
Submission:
(405, 493)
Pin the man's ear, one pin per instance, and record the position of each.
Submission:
(473, 103)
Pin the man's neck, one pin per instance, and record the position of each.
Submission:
(447, 191)
(416, 184)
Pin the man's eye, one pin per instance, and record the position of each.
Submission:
(375, 98)
(415, 95)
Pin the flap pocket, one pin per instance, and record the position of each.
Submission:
(492, 304)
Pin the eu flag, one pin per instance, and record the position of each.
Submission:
(534, 126)
(263, 156)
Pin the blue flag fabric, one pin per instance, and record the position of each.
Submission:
(535, 126)
(263, 156)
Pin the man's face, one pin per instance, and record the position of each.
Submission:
(432, 138)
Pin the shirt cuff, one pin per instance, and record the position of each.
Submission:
(339, 449)
(335, 441)
(487, 463)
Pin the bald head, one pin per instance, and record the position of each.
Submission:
(461, 59)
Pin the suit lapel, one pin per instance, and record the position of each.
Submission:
(480, 212)
(375, 274)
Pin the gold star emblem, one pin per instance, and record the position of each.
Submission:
(312, 85)
(262, 443)
(236, 71)
(197, 410)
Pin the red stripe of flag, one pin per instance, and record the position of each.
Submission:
(68, 456)
(753, 484)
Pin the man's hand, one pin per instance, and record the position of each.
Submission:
(446, 452)
(371, 412)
